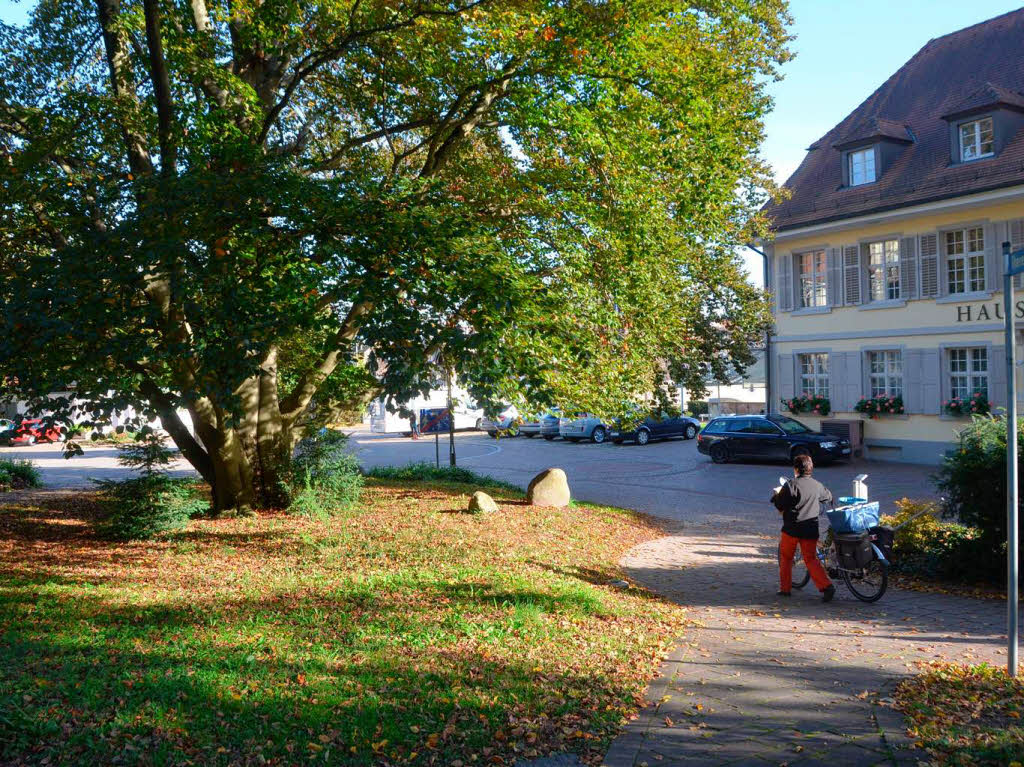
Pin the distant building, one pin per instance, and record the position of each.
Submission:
(740, 393)
(886, 261)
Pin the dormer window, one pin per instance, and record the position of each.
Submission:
(862, 166)
(976, 139)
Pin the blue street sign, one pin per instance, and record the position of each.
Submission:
(1017, 261)
(434, 420)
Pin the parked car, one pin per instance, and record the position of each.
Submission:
(582, 426)
(775, 437)
(506, 423)
(654, 427)
(546, 426)
(32, 430)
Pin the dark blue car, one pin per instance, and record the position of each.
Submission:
(654, 427)
(769, 437)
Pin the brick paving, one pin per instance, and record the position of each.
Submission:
(764, 680)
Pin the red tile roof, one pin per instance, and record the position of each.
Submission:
(982, 63)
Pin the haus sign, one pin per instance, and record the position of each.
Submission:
(987, 312)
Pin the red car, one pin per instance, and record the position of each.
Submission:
(32, 430)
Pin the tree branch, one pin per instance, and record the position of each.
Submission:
(161, 88)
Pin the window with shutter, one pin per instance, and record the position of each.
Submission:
(929, 255)
(851, 275)
(784, 286)
(883, 267)
(908, 267)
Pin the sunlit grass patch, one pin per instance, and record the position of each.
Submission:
(401, 631)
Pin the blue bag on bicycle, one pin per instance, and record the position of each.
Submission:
(855, 518)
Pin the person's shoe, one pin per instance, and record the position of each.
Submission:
(828, 593)
(783, 594)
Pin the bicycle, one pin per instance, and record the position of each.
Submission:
(867, 583)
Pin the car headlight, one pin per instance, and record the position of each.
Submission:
(829, 444)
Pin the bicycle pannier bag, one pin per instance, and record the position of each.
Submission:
(883, 536)
(854, 550)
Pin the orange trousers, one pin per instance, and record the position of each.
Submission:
(808, 550)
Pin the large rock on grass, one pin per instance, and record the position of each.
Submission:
(481, 503)
(549, 488)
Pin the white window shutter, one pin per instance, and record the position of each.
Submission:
(931, 375)
(784, 288)
(908, 268)
(993, 259)
(928, 253)
(835, 276)
(913, 399)
(997, 376)
(852, 377)
(787, 383)
(851, 275)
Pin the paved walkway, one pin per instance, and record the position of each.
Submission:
(766, 680)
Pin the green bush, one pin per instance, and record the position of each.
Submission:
(933, 548)
(428, 472)
(18, 474)
(142, 507)
(697, 408)
(972, 479)
(325, 476)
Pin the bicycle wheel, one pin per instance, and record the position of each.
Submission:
(870, 583)
(800, 572)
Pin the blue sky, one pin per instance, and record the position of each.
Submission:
(844, 51)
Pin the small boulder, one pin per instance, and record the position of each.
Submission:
(481, 503)
(549, 488)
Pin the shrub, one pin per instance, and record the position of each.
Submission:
(880, 405)
(325, 476)
(931, 547)
(142, 507)
(18, 474)
(806, 403)
(428, 472)
(972, 479)
(149, 455)
(697, 408)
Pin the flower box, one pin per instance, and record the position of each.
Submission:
(976, 404)
(804, 403)
(883, 404)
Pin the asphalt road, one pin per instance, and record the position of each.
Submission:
(669, 479)
(99, 462)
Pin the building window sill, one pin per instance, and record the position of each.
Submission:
(896, 303)
(812, 310)
(961, 298)
(886, 417)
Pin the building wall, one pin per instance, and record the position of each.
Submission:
(922, 329)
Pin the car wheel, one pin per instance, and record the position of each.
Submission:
(599, 435)
(479, 424)
(643, 437)
(691, 432)
(719, 453)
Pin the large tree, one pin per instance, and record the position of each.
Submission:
(547, 192)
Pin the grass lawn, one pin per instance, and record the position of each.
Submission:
(965, 715)
(400, 632)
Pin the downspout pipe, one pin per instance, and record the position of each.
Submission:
(769, 398)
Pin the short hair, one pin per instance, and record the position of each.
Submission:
(803, 464)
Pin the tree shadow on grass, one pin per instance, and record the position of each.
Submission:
(216, 683)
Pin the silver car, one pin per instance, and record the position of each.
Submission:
(546, 426)
(583, 426)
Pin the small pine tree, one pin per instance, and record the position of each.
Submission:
(149, 454)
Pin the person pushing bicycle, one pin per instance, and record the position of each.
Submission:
(799, 501)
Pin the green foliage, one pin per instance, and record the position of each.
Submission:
(880, 405)
(423, 471)
(972, 479)
(18, 474)
(551, 193)
(697, 408)
(150, 454)
(143, 507)
(976, 404)
(325, 476)
(932, 548)
(808, 403)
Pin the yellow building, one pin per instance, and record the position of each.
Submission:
(886, 262)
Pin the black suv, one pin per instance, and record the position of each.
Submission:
(776, 437)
